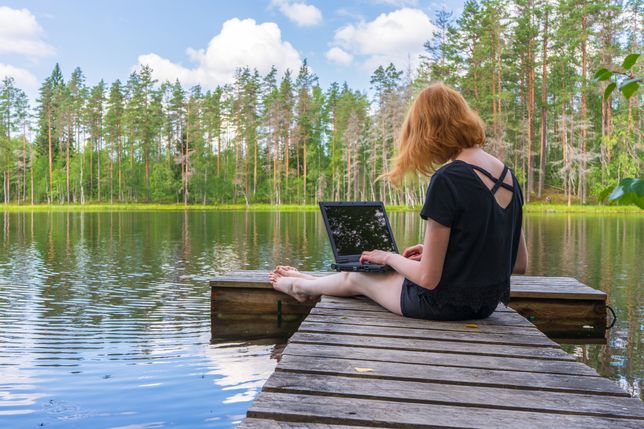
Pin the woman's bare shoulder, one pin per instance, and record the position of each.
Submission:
(483, 159)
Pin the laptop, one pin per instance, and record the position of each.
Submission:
(354, 227)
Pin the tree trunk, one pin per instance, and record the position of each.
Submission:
(99, 143)
(31, 174)
(7, 174)
(275, 163)
(530, 88)
(51, 172)
(544, 110)
(186, 157)
(218, 153)
(304, 162)
(119, 149)
(584, 117)
(91, 167)
(286, 160)
(70, 133)
(348, 192)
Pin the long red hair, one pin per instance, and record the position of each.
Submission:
(437, 127)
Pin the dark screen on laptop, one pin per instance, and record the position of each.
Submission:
(358, 228)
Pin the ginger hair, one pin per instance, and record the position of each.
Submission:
(438, 125)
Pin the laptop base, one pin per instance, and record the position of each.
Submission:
(363, 268)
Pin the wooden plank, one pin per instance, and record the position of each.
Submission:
(364, 302)
(504, 373)
(450, 375)
(376, 413)
(556, 292)
(521, 286)
(495, 319)
(395, 332)
(249, 423)
(565, 318)
(432, 346)
(554, 287)
(254, 301)
(447, 394)
(356, 304)
(245, 330)
(471, 326)
(441, 359)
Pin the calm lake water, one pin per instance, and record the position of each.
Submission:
(105, 317)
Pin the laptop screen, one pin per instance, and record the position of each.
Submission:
(356, 228)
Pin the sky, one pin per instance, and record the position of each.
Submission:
(203, 42)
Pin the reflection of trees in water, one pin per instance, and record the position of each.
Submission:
(143, 272)
(358, 228)
(605, 253)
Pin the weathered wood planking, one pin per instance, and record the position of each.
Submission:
(403, 414)
(521, 286)
(253, 313)
(412, 382)
(562, 307)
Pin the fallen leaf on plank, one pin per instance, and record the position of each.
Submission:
(364, 369)
(471, 325)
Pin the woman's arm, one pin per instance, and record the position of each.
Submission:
(428, 271)
(521, 263)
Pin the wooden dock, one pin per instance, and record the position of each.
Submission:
(244, 305)
(353, 364)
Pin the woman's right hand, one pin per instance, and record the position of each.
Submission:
(414, 252)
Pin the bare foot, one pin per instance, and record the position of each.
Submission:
(292, 272)
(284, 268)
(285, 285)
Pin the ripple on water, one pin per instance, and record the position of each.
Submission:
(74, 362)
(105, 317)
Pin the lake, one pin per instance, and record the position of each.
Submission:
(105, 316)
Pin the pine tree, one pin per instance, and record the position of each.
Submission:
(114, 124)
(47, 140)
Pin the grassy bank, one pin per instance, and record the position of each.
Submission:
(578, 208)
(529, 208)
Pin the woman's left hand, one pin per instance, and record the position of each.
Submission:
(375, 257)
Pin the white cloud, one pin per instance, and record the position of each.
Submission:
(304, 15)
(21, 34)
(396, 37)
(240, 43)
(339, 55)
(25, 80)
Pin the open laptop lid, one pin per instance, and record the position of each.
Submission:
(356, 226)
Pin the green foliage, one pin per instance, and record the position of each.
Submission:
(628, 191)
(165, 188)
(284, 139)
(628, 85)
(630, 61)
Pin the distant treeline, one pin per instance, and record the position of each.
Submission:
(525, 65)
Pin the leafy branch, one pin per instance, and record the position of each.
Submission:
(625, 80)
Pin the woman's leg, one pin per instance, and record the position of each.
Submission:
(383, 288)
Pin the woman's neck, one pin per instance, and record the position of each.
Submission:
(469, 153)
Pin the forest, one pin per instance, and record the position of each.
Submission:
(526, 66)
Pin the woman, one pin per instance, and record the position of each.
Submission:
(473, 238)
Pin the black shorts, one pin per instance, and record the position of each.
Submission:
(415, 301)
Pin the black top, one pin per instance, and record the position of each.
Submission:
(484, 237)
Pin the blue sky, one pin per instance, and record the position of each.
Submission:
(204, 41)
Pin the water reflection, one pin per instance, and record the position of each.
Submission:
(605, 253)
(96, 307)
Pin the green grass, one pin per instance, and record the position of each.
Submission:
(578, 208)
(529, 208)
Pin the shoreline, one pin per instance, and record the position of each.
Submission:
(527, 208)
